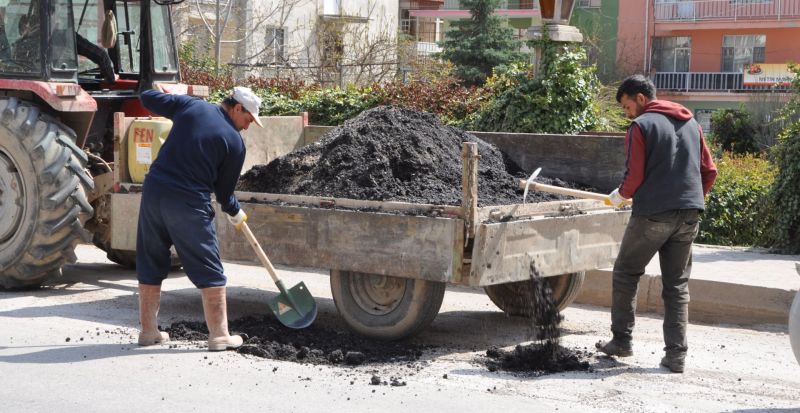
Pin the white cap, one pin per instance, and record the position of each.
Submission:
(249, 100)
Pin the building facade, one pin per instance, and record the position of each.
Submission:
(332, 42)
(426, 22)
(711, 54)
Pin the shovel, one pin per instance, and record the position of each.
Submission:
(295, 307)
(527, 184)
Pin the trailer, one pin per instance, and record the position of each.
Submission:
(390, 262)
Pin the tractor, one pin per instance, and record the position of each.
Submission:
(57, 114)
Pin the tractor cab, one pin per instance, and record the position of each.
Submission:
(40, 40)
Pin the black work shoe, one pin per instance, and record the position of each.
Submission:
(674, 362)
(615, 348)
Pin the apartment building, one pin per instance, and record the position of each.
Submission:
(333, 42)
(597, 21)
(711, 54)
(426, 22)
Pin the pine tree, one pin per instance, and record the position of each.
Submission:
(479, 44)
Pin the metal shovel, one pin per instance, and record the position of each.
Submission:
(295, 307)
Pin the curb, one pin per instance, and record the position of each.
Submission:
(711, 301)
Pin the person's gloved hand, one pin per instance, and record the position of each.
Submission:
(238, 219)
(615, 199)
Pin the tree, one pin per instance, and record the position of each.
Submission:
(479, 44)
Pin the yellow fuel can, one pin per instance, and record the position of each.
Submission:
(145, 137)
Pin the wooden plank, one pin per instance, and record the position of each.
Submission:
(124, 220)
(469, 186)
(503, 252)
(369, 242)
(323, 202)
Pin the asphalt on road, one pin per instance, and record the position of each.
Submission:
(71, 347)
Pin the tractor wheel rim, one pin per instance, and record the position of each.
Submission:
(12, 197)
(377, 294)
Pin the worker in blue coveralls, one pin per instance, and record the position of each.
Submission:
(203, 154)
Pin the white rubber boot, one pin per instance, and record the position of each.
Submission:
(149, 302)
(216, 312)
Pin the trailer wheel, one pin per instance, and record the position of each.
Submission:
(514, 298)
(43, 187)
(385, 307)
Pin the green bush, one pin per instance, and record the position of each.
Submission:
(784, 197)
(334, 106)
(735, 213)
(558, 99)
(733, 130)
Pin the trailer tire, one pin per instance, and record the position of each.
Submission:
(513, 298)
(43, 187)
(385, 307)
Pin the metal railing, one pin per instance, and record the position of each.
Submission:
(732, 10)
(707, 82)
(504, 5)
(427, 48)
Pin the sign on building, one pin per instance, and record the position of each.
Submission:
(767, 74)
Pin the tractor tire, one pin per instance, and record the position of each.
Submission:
(385, 307)
(43, 187)
(514, 298)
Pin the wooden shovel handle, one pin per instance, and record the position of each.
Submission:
(259, 251)
(565, 191)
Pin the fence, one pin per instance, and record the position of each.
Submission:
(727, 10)
(707, 81)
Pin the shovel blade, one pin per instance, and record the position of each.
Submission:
(295, 308)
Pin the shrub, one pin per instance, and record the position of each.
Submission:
(784, 197)
(334, 106)
(733, 130)
(735, 212)
(558, 99)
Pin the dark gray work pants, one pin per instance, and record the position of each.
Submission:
(671, 234)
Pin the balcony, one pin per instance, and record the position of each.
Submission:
(708, 82)
(726, 10)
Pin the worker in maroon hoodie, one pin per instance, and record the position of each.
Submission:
(668, 172)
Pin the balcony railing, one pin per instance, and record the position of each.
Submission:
(727, 10)
(456, 5)
(427, 48)
(707, 82)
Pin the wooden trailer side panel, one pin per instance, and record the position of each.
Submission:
(503, 252)
(387, 244)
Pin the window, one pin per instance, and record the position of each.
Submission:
(275, 45)
(672, 54)
(589, 4)
(738, 51)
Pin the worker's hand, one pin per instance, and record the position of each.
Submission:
(615, 199)
(238, 219)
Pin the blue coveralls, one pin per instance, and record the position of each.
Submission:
(203, 153)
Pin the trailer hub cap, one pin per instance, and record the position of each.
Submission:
(377, 294)
(12, 197)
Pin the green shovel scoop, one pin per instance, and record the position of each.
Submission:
(295, 307)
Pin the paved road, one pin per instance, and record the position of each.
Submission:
(99, 369)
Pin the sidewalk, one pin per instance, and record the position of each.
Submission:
(727, 285)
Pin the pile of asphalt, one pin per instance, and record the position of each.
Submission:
(392, 154)
(544, 355)
(268, 338)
